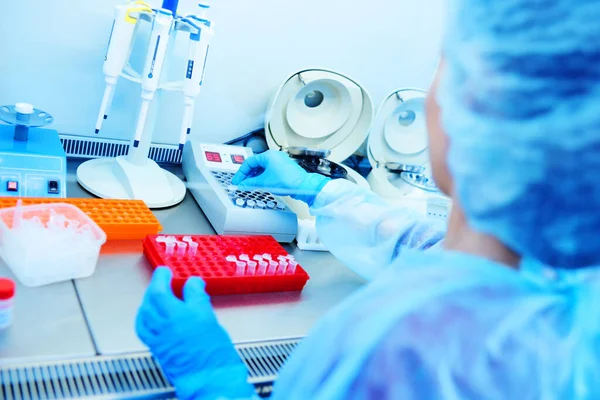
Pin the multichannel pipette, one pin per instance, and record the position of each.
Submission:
(159, 40)
(197, 56)
(119, 48)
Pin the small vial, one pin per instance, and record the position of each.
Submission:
(231, 258)
(280, 206)
(257, 258)
(193, 248)
(187, 239)
(281, 258)
(272, 267)
(244, 257)
(283, 266)
(7, 295)
(267, 256)
(240, 202)
(261, 204)
(252, 267)
(292, 267)
(271, 205)
(170, 248)
(262, 268)
(251, 203)
(181, 248)
(290, 257)
(240, 267)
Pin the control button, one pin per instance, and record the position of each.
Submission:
(237, 159)
(12, 186)
(53, 187)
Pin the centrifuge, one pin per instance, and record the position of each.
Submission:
(320, 117)
(398, 152)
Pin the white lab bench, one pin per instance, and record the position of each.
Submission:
(95, 316)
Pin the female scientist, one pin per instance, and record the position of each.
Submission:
(509, 307)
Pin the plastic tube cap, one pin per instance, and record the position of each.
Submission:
(24, 108)
(7, 289)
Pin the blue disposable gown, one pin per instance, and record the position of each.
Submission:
(365, 232)
(444, 325)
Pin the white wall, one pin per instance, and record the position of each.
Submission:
(51, 55)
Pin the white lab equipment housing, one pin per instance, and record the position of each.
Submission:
(398, 141)
(319, 109)
(209, 169)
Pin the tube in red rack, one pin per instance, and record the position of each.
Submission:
(272, 267)
(170, 248)
(292, 267)
(283, 266)
(262, 268)
(181, 248)
(240, 268)
(193, 248)
(252, 267)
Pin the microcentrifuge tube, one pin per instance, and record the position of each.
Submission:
(240, 202)
(193, 248)
(282, 258)
(181, 248)
(292, 267)
(257, 257)
(283, 266)
(244, 257)
(170, 248)
(290, 257)
(252, 267)
(187, 239)
(240, 266)
(262, 268)
(272, 267)
(231, 258)
(267, 256)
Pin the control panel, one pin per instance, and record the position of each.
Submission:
(35, 168)
(209, 169)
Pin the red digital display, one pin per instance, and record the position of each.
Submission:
(237, 159)
(212, 156)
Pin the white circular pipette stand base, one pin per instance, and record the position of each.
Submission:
(117, 178)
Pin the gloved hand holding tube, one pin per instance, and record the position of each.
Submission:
(193, 350)
(276, 172)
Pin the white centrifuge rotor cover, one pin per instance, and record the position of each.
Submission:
(319, 109)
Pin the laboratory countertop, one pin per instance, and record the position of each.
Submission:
(95, 316)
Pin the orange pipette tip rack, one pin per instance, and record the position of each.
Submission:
(119, 219)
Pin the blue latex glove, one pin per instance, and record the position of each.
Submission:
(275, 172)
(194, 351)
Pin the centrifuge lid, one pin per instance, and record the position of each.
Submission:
(319, 109)
(399, 133)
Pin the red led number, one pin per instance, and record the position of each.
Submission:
(213, 156)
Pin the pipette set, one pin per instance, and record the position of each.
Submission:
(135, 176)
(228, 264)
(165, 24)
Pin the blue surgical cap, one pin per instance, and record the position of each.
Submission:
(520, 100)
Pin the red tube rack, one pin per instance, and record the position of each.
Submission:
(220, 275)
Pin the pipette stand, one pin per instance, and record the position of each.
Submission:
(135, 176)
